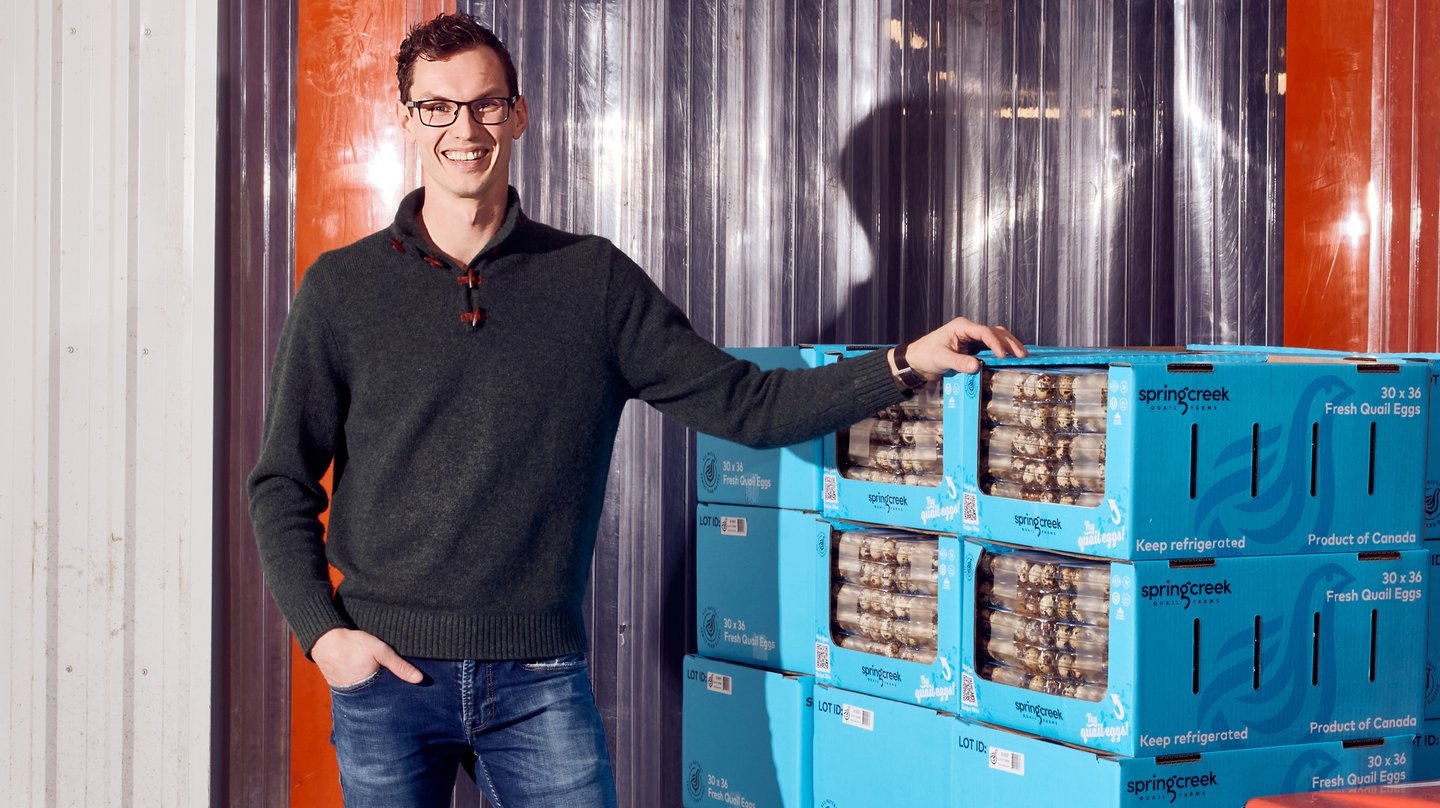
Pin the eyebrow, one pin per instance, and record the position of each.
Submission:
(487, 94)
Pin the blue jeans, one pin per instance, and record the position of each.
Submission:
(527, 731)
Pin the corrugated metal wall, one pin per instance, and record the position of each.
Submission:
(857, 171)
(1229, 121)
(107, 201)
(256, 244)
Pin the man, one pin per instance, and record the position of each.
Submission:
(466, 369)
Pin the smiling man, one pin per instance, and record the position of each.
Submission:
(465, 370)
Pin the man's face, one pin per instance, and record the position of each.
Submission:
(465, 160)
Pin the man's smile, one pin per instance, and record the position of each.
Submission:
(459, 156)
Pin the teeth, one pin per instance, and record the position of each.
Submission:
(470, 155)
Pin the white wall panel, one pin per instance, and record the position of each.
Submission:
(107, 354)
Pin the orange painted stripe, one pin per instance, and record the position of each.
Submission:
(1329, 54)
(350, 172)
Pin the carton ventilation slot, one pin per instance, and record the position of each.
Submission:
(1315, 650)
(1188, 563)
(1379, 555)
(1170, 760)
(1195, 659)
(1374, 630)
(1377, 367)
(1361, 743)
(1194, 456)
(1254, 460)
(1372, 459)
(1255, 682)
(1190, 367)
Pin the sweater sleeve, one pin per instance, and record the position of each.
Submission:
(685, 376)
(303, 416)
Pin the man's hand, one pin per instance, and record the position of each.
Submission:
(949, 347)
(346, 657)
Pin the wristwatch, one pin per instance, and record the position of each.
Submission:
(906, 377)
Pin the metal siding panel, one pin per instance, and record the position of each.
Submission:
(170, 374)
(1229, 210)
(77, 409)
(251, 672)
(82, 272)
(26, 722)
(1405, 177)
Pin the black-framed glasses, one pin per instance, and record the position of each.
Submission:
(443, 111)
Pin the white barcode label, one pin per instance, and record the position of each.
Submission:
(967, 690)
(828, 490)
(718, 683)
(1007, 761)
(858, 717)
(733, 526)
(822, 657)
(971, 505)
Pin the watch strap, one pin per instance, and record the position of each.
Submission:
(906, 377)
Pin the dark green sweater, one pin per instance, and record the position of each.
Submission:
(470, 460)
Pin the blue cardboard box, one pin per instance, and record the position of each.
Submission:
(998, 767)
(787, 477)
(872, 752)
(746, 736)
(755, 586)
(1432, 462)
(935, 502)
(1202, 655)
(1206, 455)
(931, 684)
(1229, 458)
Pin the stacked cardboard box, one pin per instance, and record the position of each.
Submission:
(748, 693)
(1427, 742)
(1218, 554)
(1130, 574)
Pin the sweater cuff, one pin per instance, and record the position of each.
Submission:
(311, 618)
(874, 385)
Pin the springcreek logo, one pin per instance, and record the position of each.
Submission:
(709, 625)
(1186, 592)
(1171, 788)
(1045, 715)
(1039, 525)
(1182, 398)
(880, 675)
(695, 780)
(889, 501)
(709, 471)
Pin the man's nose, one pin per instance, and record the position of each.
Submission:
(466, 126)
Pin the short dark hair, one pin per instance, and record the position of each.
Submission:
(443, 37)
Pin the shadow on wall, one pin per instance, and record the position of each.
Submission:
(893, 170)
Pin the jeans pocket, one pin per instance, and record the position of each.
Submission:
(358, 686)
(569, 662)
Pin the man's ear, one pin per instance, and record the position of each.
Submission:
(522, 116)
(403, 118)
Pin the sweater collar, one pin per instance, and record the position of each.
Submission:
(406, 226)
